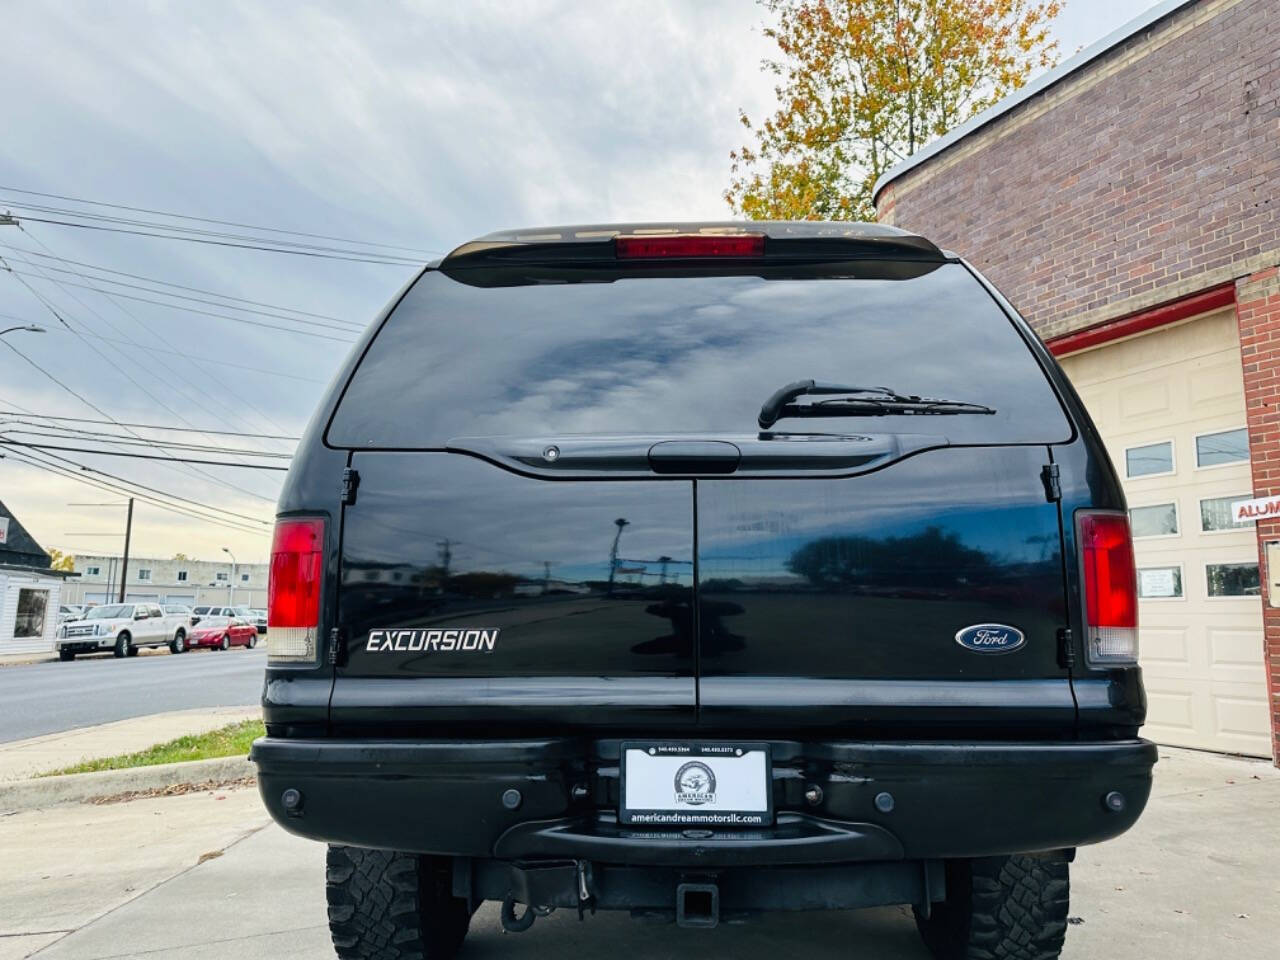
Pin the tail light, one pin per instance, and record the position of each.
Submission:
(1110, 588)
(689, 245)
(293, 590)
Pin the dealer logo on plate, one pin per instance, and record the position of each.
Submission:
(695, 784)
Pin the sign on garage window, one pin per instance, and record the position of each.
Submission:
(1232, 579)
(1154, 458)
(1156, 583)
(32, 605)
(1214, 449)
(1158, 520)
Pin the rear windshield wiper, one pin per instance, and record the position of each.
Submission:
(856, 402)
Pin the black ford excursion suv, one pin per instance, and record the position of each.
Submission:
(700, 570)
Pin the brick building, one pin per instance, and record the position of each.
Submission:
(1128, 203)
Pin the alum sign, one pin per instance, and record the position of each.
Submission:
(1263, 508)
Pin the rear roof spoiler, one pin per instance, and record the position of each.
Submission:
(595, 242)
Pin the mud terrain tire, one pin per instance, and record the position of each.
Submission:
(1011, 908)
(392, 906)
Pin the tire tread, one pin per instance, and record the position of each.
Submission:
(386, 905)
(1001, 908)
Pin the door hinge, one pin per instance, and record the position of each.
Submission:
(1052, 487)
(1066, 648)
(350, 482)
(335, 646)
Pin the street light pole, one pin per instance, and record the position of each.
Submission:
(231, 587)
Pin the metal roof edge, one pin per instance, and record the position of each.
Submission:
(1038, 85)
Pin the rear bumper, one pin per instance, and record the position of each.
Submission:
(949, 799)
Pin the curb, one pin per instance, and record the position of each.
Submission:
(81, 787)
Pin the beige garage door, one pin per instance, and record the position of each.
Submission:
(1170, 406)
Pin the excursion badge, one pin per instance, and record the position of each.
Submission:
(462, 640)
(991, 638)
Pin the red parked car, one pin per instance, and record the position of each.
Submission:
(223, 633)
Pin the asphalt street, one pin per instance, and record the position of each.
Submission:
(41, 698)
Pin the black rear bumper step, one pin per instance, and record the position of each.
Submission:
(794, 839)
(557, 798)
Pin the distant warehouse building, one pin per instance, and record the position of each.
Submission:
(1128, 203)
(174, 580)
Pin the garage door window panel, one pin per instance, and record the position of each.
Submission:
(1149, 460)
(1156, 520)
(1232, 580)
(1160, 583)
(1222, 448)
(1217, 515)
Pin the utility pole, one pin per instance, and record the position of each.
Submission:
(124, 563)
(446, 556)
(620, 523)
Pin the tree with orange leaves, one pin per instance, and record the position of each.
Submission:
(863, 84)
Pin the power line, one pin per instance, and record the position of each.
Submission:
(225, 223)
(197, 232)
(147, 327)
(197, 504)
(141, 456)
(404, 262)
(128, 376)
(71, 433)
(207, 313)
(66, 473)
(151, 426)
(102, 485)
(98, 409)
(164, 283)
(348, 324)
(194, 358)
(198, 401)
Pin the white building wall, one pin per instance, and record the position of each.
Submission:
(200, 586)
(10, 583)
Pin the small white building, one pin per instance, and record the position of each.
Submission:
(30, 591)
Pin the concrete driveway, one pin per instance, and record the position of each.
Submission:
(1196, 878)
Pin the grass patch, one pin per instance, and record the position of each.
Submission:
(229, 741)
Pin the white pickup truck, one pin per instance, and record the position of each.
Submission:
(123, 628)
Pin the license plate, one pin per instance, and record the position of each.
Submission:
(676, 784)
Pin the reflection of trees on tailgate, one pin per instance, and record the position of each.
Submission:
(932, 555)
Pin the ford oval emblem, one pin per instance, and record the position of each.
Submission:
(991, 638)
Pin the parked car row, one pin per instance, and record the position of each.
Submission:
(125, 628)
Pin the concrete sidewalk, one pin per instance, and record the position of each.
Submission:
(1195, 879)
(20, 759)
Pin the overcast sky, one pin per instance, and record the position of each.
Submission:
(418, 124)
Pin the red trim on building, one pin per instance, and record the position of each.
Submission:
(1160, 316)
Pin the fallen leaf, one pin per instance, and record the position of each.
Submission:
(1242, 916)
(1075, 921)
(211, 855)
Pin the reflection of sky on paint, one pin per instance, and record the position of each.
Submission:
(701, 354)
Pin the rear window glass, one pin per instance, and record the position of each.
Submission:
(668, 354)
